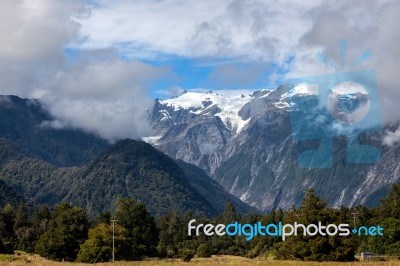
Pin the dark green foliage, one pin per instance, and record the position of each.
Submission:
(203, 251)
(226, 244)
(40, 218)
(105, 217)
(387, 215)
(172, 231)
(390, 206)
(141, 228)
(6, 248)
(20, 229)
(186, 254)
(21, 121)
(128, 169)
(98, 246)
(63, 234)
(24, 232)
(389, 243)
(9, 195)
(317, 248)
(312, 208)
(66, 231)
(7, 234)
(230, 214)
(134, 169)
(7, 218)
(33, 178)
(38, 180)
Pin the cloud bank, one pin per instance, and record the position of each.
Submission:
(89, 60)
(285, 33)
(97, 91)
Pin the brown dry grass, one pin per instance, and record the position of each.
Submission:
(27, 259)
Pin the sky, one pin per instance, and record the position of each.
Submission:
(97, 64)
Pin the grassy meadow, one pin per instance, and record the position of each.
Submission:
(21, 259)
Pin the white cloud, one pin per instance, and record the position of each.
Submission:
(256, 29)
(97, 92)
(365, 25)
(262, 31)
(392, 138)
(33, 33)
(99, 86)
(258, 32)
(108, 98)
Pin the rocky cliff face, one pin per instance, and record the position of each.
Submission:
(247, 143)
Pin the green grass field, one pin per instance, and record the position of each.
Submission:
(28, 259)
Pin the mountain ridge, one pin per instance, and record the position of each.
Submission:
(128, 168)
(259, 163)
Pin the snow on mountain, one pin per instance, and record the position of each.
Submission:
(226, 105)
(301, 90)
(244, 140)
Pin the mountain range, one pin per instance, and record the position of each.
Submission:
(208, 148)
(44, 165)
(246, 142)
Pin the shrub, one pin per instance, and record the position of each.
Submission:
(186, 254)
(203, 251)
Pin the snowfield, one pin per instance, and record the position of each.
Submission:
(228, 102)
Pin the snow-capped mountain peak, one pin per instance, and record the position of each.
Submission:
(225, 105)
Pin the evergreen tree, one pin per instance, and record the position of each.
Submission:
(105, 217)
(230, 214)
(24, 231)
(317, 248)
(7, 234)
(312, 208)
(390, 206)
(172, 232)
(141, 228)
(66, 231)
(228, 245)
(7, 217)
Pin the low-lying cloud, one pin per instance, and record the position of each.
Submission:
(97, 91)
(391, 138)
(107, 98)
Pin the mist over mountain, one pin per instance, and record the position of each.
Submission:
(26, 122)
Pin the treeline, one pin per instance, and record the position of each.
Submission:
(66, 233)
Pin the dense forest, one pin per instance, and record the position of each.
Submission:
(67, 233)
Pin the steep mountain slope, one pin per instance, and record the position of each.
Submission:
(25, 122)
(259, 163)
(34, 178)
(127, 169)
(211, 190)
(134, 169)
(194, 127)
